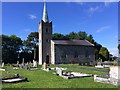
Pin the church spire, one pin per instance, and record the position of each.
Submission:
(45, 14)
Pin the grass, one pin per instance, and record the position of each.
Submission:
(43, 79)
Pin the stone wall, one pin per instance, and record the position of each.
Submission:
(66, 54)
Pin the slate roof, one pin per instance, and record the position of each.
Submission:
(73, 42)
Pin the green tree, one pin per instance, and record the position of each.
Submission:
(10, 48)
(90, 39)
(71, 35)
(119, 48)
(32, 44)
(58, 36)
(104, 54)
(81, 35)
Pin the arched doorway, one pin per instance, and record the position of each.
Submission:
(47, 59)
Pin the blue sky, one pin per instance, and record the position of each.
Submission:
(97, 18)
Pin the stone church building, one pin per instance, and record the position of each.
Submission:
(62, 51)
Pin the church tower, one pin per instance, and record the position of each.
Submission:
(45, 36)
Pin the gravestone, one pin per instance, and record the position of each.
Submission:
(44, 66)
(3, 64)
(59, 72)
(27, 63)
(23, 61)
(99, 65)
(17, 63)
(34, 63)
(115, 75)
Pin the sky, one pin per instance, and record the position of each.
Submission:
(97, 18)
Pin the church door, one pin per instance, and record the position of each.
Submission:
(47, 59)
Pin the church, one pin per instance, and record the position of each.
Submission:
(62, 51)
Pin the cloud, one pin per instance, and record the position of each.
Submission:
(113, 51)
(27, 30)
(102, 29)
(31, 16)
(93, 9)
(76, 2)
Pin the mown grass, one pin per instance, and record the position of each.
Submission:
(43, 79)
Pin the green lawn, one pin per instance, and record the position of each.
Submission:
(43, 79)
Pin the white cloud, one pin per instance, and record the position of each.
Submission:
(102, 29)
(27, 30)
(113, 51)
(93, 9)
(31, 16)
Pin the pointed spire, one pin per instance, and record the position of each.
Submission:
(45, 14)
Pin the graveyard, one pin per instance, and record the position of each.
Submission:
(39, 78)
(59, 60)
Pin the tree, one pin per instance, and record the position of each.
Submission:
(32, 44)
(71, 35)
(90, 39)
(58, 36)
(10, 48)
(104, 54)
(81, 35)
(119, 48)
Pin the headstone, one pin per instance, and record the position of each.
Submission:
(44, 65)
(18, 63)
(3, 64)
(23, 61)
(59, 72)
(115, 75)
(99, 65)
(34, 63)
(27, 63)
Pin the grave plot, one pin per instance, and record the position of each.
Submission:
(14, 79)
(114, 77)
(70, 75)
(65, 75)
